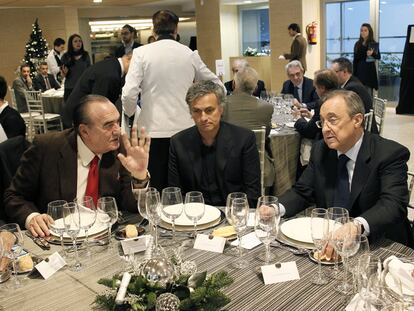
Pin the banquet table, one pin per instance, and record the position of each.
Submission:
(67, 290)
(52, 101)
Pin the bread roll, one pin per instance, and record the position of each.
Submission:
(131, 231)
(224, 232)
(25, 263)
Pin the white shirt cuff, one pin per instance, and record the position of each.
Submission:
(29, 219)
(282, 210)
(364, 223)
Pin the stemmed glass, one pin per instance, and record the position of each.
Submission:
(239, 216)
(172, 205)
(72, 221)
(16, 248)
(194, 207)
(55, 211)
(87, 212)
(320, 237)
(346, 239)
(107, 213)
(230, 197)
(352, 263)
(266, 222)
(153, 209)
(332, 214)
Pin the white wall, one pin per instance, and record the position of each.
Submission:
(311, 12)
(230, 43)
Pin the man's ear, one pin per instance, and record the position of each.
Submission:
(358, 119)
(83, 130)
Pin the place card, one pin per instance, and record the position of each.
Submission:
(287, 272)
(248, 241)
(203, 242)
(134, 245)
(51, 265)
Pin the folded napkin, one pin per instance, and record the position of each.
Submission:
(357, 304)
(401, 272)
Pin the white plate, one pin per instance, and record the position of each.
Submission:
(299, 229)
(211, 214)
(98, 227)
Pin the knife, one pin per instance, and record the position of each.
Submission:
(41, 242)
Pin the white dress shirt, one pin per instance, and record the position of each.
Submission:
(52, 65)
(163, 72)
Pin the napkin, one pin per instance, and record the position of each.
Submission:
(401, 271)
(357, 304)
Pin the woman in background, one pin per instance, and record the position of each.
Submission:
(74, 63)
(366, 51)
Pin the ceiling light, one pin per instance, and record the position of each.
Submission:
(97, 1)
(350, 9)
(247, 1)
(383, 2)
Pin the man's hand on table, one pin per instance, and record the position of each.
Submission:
(39, 225)
(347, 229)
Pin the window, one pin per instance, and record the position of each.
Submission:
(255, 29)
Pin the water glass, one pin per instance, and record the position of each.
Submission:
(55, 212)
(87, 211)
(320, 237)
(194, 208)
(153, 210)
(172, 205)
(107, 213)
(229, 201)
(16, 248)
(239, 216)
(72, 221)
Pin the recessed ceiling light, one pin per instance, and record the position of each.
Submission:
(247, 1)
(97, 1)
(383, 2)
(350, 9)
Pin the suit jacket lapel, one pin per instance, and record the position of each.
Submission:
(67, 167)
(107, 173)
(194, 154)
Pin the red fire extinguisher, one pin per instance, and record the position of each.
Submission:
(311, 33)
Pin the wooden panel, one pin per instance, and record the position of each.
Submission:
(261, 64)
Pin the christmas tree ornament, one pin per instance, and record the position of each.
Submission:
(167, 302)
(158, 270)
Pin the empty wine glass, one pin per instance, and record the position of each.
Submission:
(55, 211)
(141, 204)
(332, 214)
(353, 260)
(266, 222)
(107, 213)
(87, 212)
(239, 216)
(72, 221)
(153, 208)
(194, 207)
(172, 205)
(346, 240)
(320, 237)
(16, 242)
(230, 197)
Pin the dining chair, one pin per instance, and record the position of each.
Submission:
(260, 142)
(410, 181)
(43, 122)
(368, 117)
(379, 113)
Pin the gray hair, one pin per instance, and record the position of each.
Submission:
(240, 64)
(294, 63)
(246, 80)
(352, 100)
(203, 88)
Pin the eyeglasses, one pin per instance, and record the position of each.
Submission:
(329, 122)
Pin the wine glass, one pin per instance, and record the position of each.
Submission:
(266, 222)
(239, 216)
(87, 211)
(172, 205)
(352, 263)
(346, 240)
(320, 237)
(107, 213)
(55, 211)
(332, 214)
(153, 209)
(230, 197)
(194, 207)
(141, 204)
(368, 266)
(16, 242)
(72, 221)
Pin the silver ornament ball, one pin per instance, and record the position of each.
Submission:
(158, 270)
(167, 302)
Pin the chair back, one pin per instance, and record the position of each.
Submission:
(13, 98)
(260, 142)
(379, 113)
(34, 102)
(368, 120)
(410, 181)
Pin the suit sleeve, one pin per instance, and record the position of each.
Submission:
(173, 169)
(132, 85)
(251, 170)
(36, 84)
(307, 129)
(203, 73)
(14, 126)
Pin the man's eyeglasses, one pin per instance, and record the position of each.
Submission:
(329, 122)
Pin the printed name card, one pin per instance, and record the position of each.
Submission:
(248, 241)
(287, 272)
(216, 244)
(134, 245)
(51, 265)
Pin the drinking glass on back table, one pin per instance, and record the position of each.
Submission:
(107, 213)
(172, 205)
(14, 252)
(72, 221)
(87, 210)
(55, 211)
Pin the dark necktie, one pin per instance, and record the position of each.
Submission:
(47, 83)
(92, 186)
(342, 183)
(296, 93)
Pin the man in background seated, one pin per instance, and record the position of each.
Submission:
(245, 110)
(239, 65)
(22, 83)
(10, 120)
(213, 156)
(343, 69)
(78, 162)
(350, 168)
(44, 81)
(299, 86)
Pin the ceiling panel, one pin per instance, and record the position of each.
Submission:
(85, 3)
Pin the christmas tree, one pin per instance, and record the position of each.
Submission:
(36, 49)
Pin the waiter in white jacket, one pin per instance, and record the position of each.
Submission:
(162, 72)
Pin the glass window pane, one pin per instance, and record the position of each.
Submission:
(333, 16)
(355, 13)
(255, 29)
(333, 46)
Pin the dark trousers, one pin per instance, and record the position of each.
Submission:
(158, 162)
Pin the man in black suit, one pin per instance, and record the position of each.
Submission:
(350, 168)
(213, 156)
(299, 86)
(10, 120)
(128, 34)
(104, 78)
(44, 81)
(238, 65)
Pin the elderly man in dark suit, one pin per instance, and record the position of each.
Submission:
(300, 86)
(78, 162)
(298, 46)
(104, 78)
(21, 84)
(361, 172)
(44, 81)
(213, 156)
(128, 34)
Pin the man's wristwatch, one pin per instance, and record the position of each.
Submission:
(140, 183)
